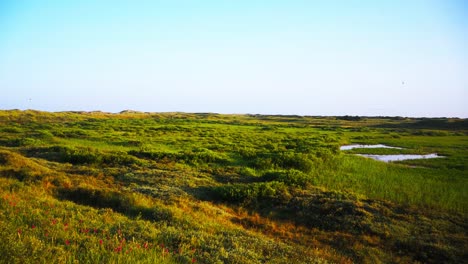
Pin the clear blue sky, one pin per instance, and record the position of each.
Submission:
(406, 58)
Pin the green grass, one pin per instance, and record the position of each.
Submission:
(36, 228)
(423, 187)
(210, 188)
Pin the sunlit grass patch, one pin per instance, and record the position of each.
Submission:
(209, 188)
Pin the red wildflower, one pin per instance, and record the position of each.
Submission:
(33, 226)
(67, 242)
(145, 245)
(19, 231)
(100, 241)
(194, 260)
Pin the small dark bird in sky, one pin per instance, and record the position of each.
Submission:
(403, 83)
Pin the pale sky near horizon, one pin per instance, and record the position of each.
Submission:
(324, 57)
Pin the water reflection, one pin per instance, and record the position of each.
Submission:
(348, 147)
(389, 158)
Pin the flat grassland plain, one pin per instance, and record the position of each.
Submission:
(94, 187)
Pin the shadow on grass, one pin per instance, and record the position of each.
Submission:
(119, 202)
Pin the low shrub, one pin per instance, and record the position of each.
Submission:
(288, 177)
(87, 156)
(194, 157)
(288, 160)
(298, 161)
(252, 192)
(19, 142)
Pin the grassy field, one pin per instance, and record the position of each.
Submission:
(93, 187)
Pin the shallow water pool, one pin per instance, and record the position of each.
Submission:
(348, 147)
(389, 158)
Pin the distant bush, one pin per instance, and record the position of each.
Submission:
(289, 177)
(285, 160)
(71, 133)
(14, 130)
(194, 157)
(349, 118)
(298, 161)
(154, 155)
(247, 153)
(305, 162)
(120, 158)
(245, 171)
(130, 143)
(326, 154)
(250, 192)
(262, 163)
(432, 133)
(43, 134)
(202, 155)
(18, 142)
(83, 156)
(362, 138)
(79, 156)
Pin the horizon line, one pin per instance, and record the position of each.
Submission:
(130, 111)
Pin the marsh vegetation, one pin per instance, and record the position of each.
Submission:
(211, 188)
